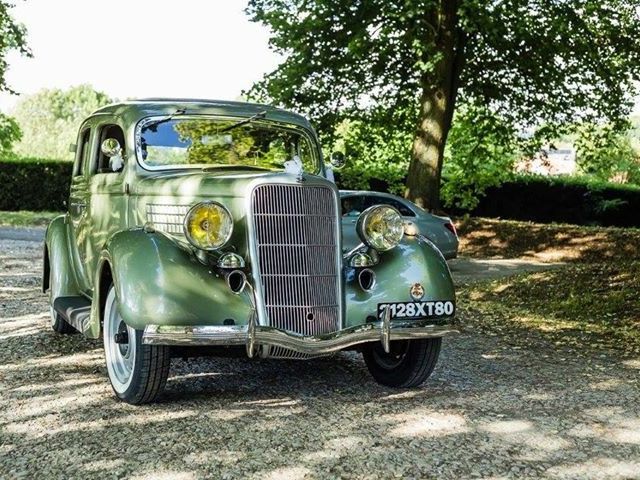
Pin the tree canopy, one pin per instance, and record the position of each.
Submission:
(10, 133)
(50, 119)
(12, 37)
(406, 65)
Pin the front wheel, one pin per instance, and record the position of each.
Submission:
(408, 364)
(137, 372)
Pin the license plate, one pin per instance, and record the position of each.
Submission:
(431, 309)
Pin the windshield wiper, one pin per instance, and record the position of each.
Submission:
(153, 125)
(245, 121)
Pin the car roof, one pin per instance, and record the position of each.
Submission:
(416, 208)
(135, 109)
(355, 193)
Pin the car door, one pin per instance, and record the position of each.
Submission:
(78, 201)
(108, 204)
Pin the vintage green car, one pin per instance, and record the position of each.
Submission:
(207, 227)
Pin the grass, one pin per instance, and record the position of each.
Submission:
(25, 218)
(592, 302)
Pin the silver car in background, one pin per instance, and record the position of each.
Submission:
(440, 230)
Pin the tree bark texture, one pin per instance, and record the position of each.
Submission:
(437, 104)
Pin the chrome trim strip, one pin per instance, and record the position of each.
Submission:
(315, 345)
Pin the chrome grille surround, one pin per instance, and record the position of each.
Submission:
(296, 257)
(167, 218)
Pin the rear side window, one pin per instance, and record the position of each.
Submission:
(82, 152)
(352, 206)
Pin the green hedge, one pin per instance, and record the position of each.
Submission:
(34, 184)
(563, 199)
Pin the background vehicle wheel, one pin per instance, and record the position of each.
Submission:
(58, 324)
(408, 364)
(137, 372)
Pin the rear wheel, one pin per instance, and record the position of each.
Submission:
(408, 364)
(137, 372)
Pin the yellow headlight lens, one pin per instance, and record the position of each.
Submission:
(208, 225)
(381, 227)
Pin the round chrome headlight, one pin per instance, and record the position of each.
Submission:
(380, 227)
(208, 225)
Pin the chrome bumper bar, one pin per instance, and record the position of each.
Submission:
(252, 335)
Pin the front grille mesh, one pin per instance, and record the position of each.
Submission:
(296, 242)
(167, 218)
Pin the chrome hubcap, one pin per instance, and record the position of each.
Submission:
(120, 356)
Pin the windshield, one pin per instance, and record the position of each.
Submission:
(191, 142)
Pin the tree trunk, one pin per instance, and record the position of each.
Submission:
(437, 104)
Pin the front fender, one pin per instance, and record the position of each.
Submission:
(159, 281)
(415, 260)
(63, 281)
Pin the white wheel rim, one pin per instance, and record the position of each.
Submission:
(120, 357)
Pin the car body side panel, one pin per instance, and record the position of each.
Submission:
(415, 260)
(159, 281)
(64, 281)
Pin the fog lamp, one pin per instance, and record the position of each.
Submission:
(208, 225)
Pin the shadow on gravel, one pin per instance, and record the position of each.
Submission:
(491, 408)
(508, 405)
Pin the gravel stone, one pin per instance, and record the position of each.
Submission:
(489, 411)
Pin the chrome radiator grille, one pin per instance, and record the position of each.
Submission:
(297, 247)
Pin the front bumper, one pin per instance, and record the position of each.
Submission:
(253, 335)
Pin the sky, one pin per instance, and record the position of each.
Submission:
(140, 48)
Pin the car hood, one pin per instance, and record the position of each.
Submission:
(197, 184)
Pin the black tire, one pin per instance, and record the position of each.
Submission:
(60, 325)
(408, 364)
(149, 367)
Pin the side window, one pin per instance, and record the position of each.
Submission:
(82, 152)
(105, 164)
(351, 206)
(401, 207)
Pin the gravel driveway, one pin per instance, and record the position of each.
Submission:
(492, 409)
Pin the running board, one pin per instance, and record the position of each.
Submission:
(75, 310)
